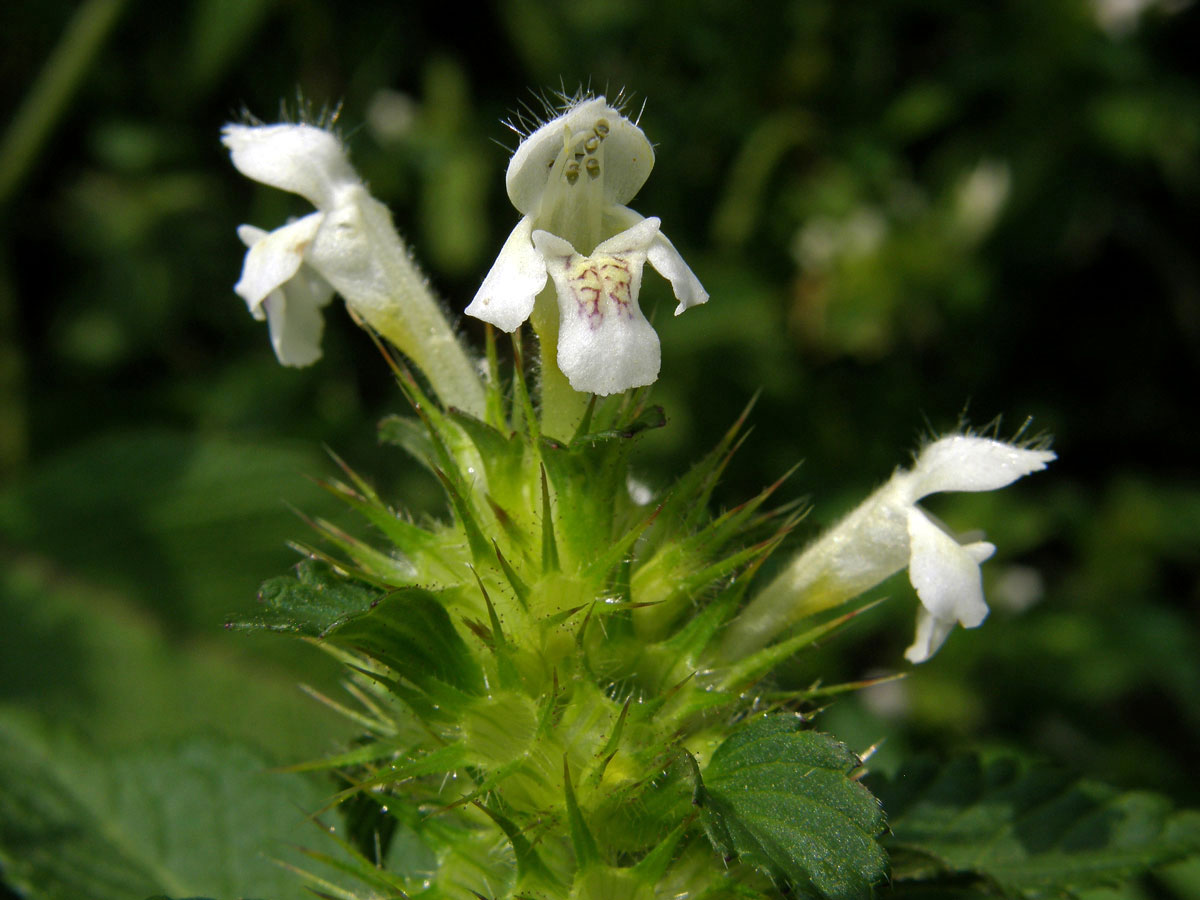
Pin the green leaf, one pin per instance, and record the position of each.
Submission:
(411, 632)
(310, 602)
(92, 659)
(184, 525)
(200, 817)
(641, 419)
(1030, 827)
(784, 799)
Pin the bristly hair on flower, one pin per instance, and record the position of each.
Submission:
(1023, 437)
(570, 179)
(525, 119)
(301, 110)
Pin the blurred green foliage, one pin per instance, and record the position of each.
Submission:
(902, 209)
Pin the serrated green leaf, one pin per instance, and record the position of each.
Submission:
(1030, 827)
(310, 602)
(199, 817)
(784, 800)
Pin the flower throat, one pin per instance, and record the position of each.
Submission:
(573, 203)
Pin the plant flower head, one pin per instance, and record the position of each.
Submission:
(570, 180)
(279, 282)
(888, 532)
(347, 245)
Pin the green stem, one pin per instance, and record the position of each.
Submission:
(55, 84)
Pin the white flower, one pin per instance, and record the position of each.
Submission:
(889, 532)
(944, 572)
(278, 282)
(348, 245)
(570, 180)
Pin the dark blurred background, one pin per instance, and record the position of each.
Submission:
(909, 213)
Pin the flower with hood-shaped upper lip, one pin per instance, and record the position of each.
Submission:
(278, 281)
(349, 246)
(944, 572)
(570, 180)
(887, 532)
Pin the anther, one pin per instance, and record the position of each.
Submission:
(591, 144)
(601, 128)
(593, 167)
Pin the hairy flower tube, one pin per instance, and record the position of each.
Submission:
(347, 245)
(888, 532)
(570, 180)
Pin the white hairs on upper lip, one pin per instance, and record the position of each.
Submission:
(525, 119)
(1040, 440)
(303, 112)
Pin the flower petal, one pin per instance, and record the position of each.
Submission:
(931, 634)
(963, 462)
(251, 235)
(635, 240)
(605, 344)
(932, 630)
(945, 574)
(516, 278)
(295, 319)
(273, 258)
(302, 159)
(667, 261)
(628, 155)
(670, 265)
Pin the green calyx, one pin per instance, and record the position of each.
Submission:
(535, 674)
